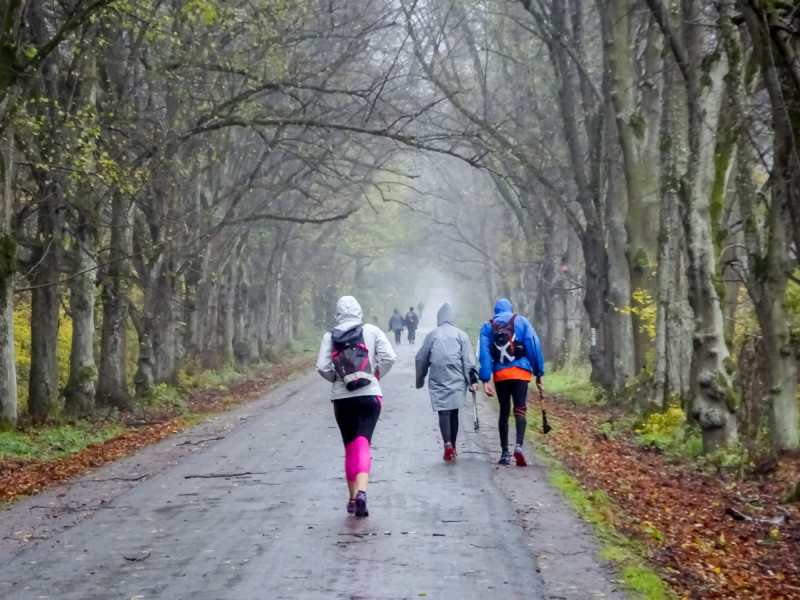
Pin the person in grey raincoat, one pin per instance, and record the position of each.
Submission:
(447, 358)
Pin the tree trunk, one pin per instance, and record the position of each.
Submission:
(769, 261)
(225, 319)
(620, 324)
(587, 174)
(637, 116)
(673, 343)
(79, 393)
(144, 379)
(601, 349)
(8, 267)
(164, 332)
(714, 403)
(242, 339)
(43, 384)
(703, 65)
(112, 388)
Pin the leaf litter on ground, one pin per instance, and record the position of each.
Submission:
(684, 517)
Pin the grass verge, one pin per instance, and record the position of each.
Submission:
(595, 507)
(573, 385)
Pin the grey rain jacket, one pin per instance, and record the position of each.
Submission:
(381, 353)
(448, 355)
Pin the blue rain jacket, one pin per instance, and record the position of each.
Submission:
(523, 332)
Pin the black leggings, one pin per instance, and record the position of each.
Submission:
(448, 425)
(507, 390)
(357, 417)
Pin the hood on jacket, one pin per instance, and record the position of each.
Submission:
(446, 314)
(503, 306)
(348, 313)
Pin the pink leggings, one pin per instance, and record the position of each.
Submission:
(356, 418)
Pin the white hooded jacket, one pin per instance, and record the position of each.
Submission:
(381, 353)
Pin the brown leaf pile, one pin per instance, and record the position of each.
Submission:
(26, 477)
(709, 538)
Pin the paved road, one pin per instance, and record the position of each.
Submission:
(276, 525)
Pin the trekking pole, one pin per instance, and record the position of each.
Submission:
(545, 425)
(475, 411)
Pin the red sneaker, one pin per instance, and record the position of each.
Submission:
(449, 452)
(519, 457)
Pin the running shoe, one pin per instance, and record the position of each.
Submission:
(449, 451)
(361, 505)
(519, 456)
(351, 506)
(505, 458)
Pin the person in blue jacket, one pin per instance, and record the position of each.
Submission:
(510, 353)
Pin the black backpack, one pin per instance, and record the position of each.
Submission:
(350, 357)
(411, 320)
(504, 348)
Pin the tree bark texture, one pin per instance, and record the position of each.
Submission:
(8, 267)
(45, 303)
(79, 393)
(112, 388)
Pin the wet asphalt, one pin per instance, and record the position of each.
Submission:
(261, 514)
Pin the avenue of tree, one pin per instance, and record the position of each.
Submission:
(191, 182)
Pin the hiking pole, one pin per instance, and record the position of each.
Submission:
(545, 425)
(475, 411)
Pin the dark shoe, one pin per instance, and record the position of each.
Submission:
(361, 505)
(449, 452)
(519, 456)
(351, 506)
(505, 458)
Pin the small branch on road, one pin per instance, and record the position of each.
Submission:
(136, 558)
(190, 443)
(213, 475)
(120, 479)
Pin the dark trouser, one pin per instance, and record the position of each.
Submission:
(412, 334)
(357, 416)
(508, 390)
(448, 425)
(397, 333)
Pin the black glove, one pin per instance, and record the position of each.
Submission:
(473, 376)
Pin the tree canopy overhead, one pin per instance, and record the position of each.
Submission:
(196, 181)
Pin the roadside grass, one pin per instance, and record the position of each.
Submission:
(595, 507)
(54, 442)
(572, 384)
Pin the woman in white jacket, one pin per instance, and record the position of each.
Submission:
(354, 356)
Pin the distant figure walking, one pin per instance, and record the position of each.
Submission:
(510, 353)
(411, 322)
(448, 355)
(420, 306)
(354, 356)
(396, 325)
